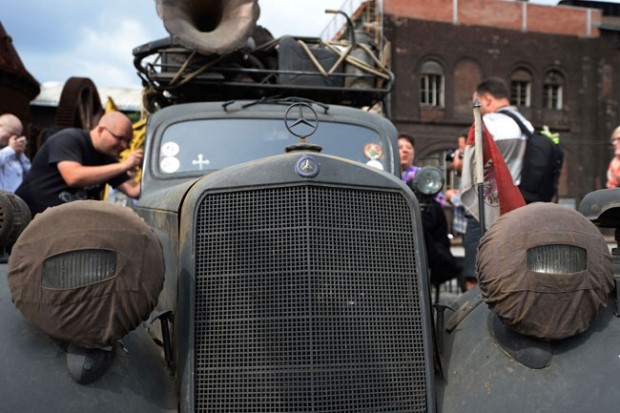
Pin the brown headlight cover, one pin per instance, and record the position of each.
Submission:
(93, 302)
(538, 300)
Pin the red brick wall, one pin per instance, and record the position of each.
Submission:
(571, 21)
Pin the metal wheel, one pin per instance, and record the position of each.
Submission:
(80, 105)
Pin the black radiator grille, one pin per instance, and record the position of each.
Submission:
(306, 302)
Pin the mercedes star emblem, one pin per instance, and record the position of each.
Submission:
(307, 167)
(301, 120)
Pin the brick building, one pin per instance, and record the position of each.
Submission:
(561, 62)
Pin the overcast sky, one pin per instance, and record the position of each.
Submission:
(57, 39)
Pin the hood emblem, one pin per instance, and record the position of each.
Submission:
(307, 167)
(301, 120)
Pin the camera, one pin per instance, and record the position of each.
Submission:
(451, 153)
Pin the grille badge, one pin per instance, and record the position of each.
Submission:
(307, 167)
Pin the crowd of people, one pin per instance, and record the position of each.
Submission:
(72, 164)
(76, 164)
(493, 97)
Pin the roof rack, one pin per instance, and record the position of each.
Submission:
(331, 72)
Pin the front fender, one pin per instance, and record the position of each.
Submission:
(34, 376)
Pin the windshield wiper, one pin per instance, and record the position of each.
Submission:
(278, 100)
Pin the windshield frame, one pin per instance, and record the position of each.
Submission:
(334, 116)
(201, 146)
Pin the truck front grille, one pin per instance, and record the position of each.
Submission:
(307, 301)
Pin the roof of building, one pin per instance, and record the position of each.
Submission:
(126, 99)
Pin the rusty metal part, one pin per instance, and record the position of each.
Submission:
(79, 105)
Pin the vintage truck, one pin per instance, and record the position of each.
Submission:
(275, 262)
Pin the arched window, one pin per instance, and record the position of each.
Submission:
(521, 88)
(553, 90)
(431, 84)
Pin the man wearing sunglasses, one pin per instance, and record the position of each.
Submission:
(75, 164)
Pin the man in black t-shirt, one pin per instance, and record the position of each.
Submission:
(75, 164)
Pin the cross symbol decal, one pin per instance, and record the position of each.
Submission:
(201, 161)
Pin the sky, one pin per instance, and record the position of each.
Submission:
(58, 39)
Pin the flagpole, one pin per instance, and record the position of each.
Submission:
(479, 161)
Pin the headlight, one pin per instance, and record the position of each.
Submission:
(80, 268)
(557, 259)
(427, 181)
(86, 272)
(545, 270)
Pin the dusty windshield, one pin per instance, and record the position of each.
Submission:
(200, 146)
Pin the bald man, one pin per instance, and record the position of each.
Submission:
(75, 164)
(14, 164)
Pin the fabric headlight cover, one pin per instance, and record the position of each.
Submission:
(545, 270)
(86, 272)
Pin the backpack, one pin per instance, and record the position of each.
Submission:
(542, 164)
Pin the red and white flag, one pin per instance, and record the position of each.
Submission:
(501, 195)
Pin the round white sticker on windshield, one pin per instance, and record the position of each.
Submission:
(170, 149)
(169, 164)
(375, 164)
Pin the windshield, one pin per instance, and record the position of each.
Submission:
(201, 146)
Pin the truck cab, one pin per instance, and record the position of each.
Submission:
(275, 261)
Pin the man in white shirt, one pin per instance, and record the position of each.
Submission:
(14, 163)
(494, 97)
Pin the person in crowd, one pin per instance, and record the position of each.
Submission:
(613, 170)
(14, 163)
(457, 158)
(406, 150)
(442, 264)
(453, 195)
(494, 96)
(75, 164)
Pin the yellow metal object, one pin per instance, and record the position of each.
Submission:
(139, 133)
(110, 106)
